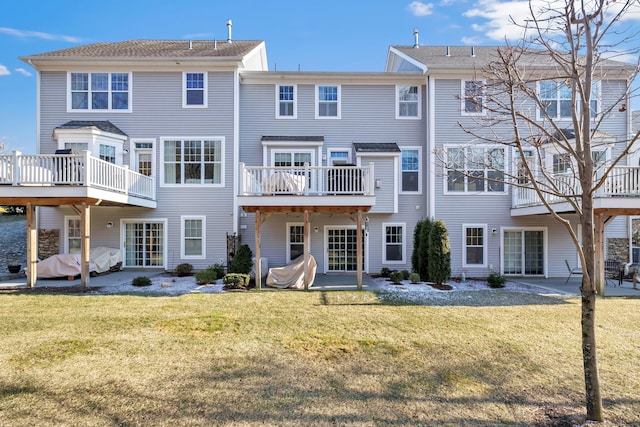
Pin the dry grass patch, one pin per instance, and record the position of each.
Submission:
(306, 358)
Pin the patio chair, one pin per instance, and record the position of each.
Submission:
(613, 272)
(572, 271)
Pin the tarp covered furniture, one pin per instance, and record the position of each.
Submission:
(291, 276)
(101, 260)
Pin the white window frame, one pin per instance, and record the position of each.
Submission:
(112, 157)
(220, 139)
(330, 159)
(279, 101)
(68, 218)
(414, 148)
(288, 239)
(133, 158)
(205, 97)
(464, 98)
(485, 191)
(545, 248)
(293, 152)
(109, 91)
(418, 101)
(183, 237)
(596, 90)
(483, 227)
(384, 242)
(338, 102)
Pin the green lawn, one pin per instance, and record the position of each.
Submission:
(307, 358)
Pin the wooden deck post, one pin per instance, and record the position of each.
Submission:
(258, 268)
(307, 238)
(32, 246)
(85, 245)
(359, 245)
(599, 253)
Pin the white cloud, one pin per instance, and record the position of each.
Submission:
(499, 18)
(4, 71)
(471, 41)
(38, 35)
(23, 72)
(418, 8)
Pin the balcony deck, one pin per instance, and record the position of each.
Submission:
(310, 188)
(620, 193)
(63, 179)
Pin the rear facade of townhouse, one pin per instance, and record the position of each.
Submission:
(209, 147)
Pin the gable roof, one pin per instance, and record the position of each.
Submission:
(477, 57)
(376, 147)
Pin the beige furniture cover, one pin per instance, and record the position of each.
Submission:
(292, 275)
(284, 182)
(101, 259)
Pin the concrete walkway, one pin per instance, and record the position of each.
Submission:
(557, 284)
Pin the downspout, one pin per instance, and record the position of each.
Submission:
(236, 147)
(431, 137)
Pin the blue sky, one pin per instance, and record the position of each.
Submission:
(315, 35)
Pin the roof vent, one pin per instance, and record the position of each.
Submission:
(190, 45)
(416, 45)
(446, 52)
(215, 44)
(229, 24)
(473, 51)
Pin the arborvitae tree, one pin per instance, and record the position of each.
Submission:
(415, 255)
(423, 253)
(242, 262)
(439, 253)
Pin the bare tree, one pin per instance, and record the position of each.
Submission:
(540, 97)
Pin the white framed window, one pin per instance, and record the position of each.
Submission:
(194, 90)
(144, 242)
(99, 91)
(475, 169)
(295, 240)
(472, 97)
(108, 153)
(408, 102)
(76, 147)
(338, 156)
(328, 100)
(293, 158)
(411, 171)
(72, 234)
(143, 155)
(193, 161)
(286, 101)
(394, 243)
(193, 237)
(474, 245)
(556, 98)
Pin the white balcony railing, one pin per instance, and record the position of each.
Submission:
(622, 181)
(73, 169)
(306, 180)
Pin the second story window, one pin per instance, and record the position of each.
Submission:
(194, 90)
(99, 91)
(475, 170)
(327, 102)
(286, 107)
(556, 98)
(108, 153)
(408, 102)
(410, 170)
(472, 97)
(193, 161)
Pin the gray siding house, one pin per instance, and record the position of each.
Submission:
(181, 144)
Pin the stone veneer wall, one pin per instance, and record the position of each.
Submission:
(48, 243)
(618, 249)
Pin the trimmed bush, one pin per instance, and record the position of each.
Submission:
(414, 278)
(242, 262)
(236, 281)
(439, 253)
(405, 274)
(210, 275)
(141, 281)
(384, 272)
(219, 269)
(496, 280)
(415, 255)
(184, 269)
(396, 277)
(423, 252)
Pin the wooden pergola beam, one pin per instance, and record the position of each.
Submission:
(32, 246)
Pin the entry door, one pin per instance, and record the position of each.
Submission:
(144, 244)
(341, 254)
(523, 252)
